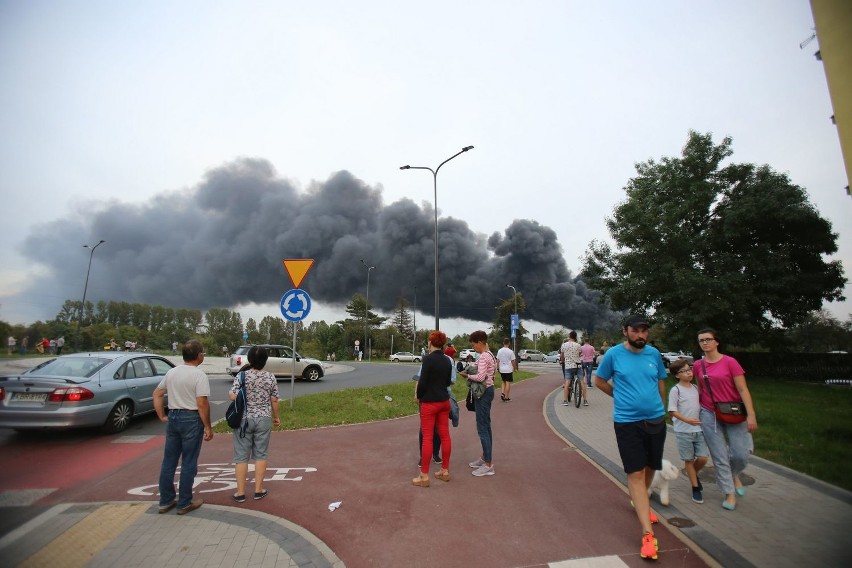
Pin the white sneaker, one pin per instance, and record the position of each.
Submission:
(483, 470)
(476, 464)
(566, 403)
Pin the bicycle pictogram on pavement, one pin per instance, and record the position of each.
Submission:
(222, 477)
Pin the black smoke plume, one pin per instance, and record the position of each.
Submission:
(222, 243)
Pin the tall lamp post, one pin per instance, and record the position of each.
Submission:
(414, 325)
(367, 306)
(435, 182)
(86, 288)
(514, 339)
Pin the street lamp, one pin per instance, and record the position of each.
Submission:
(514, 339)
(86, 287)
(414, 325)
(367, 306)
(435, 181)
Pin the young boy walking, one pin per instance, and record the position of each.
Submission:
(683, 408)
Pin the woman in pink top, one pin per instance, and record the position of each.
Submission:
(730, 444)
(486, 366)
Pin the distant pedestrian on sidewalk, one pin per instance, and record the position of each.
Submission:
(434, 399)
(485, 369)
(730, 444)
(638, 391)
(187, 423)
(508, 363)
(684, 409)
(11, 342)
(587, 361)
(261, 413)
(60, 343)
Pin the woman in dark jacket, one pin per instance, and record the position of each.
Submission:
(434, 402)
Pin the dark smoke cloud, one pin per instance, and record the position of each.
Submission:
(221, 244)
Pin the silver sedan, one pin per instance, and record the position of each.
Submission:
(104, 390)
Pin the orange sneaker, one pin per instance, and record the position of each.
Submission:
(653, 518)
(649, 546)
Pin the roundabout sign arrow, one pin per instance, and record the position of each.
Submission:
(295, 305)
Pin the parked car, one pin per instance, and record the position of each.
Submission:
(552, 357)
(672, 356)
(405, 356)
(280, 362)
(104, 389)
(530, 355)
(465, 352)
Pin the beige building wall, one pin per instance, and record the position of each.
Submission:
(833, 20)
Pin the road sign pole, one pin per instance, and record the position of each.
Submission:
(293, 375)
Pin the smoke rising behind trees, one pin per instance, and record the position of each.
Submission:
(222, 242)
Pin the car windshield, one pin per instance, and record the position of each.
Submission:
(78, 367)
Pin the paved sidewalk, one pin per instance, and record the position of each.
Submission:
(550, 504)
(785, 519)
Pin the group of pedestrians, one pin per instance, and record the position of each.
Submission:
(433, 396)
(188, 424)
(44, 345)
(634, 375)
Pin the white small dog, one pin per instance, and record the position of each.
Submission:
(662, 479)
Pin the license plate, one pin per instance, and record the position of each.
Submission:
(30, 396)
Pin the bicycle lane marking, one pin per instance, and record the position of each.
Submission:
(214, 477)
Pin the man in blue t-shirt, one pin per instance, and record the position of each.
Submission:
(637, 387)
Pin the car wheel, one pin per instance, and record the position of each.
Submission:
(417, 359)
(119, 418)
(312, 374)
(396, 360)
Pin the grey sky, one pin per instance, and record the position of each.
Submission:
(131, 107)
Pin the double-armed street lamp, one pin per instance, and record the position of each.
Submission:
(86, 288)
(514, 339)
(435, 182)
(367, 307)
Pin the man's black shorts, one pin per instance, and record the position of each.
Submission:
(507, 377)
(641, 444)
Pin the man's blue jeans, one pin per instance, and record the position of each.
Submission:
(483, 422)
(184, 434)
(586, 371)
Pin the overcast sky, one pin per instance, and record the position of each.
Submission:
(120, 119)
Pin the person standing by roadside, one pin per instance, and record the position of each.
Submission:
(571, 354)
(60, 343)
(507, 363)
(638, 391)
(450, 352)
(486, 366)
(433, 397)
(187, 423)
(730, 444)
(11, 342)
(24, 344)
(261, 413)
(684, 410)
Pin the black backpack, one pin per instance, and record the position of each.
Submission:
(236, 413)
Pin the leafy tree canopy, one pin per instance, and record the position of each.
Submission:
(738, 248)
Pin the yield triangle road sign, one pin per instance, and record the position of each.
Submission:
(297, 268)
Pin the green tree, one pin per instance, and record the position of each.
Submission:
(739, 248)
(501, 326)
(402, 320)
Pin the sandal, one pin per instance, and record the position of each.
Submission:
(420, 482)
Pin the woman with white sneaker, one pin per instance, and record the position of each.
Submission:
(721, 378)
(486, 366)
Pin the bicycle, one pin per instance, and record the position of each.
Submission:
(576, 391)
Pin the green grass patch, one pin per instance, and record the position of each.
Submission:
(356, 406)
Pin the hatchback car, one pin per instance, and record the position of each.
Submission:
(405, 356)
(280, 362)
(463, 354)
(672, 356)
(530, 355)
(104, 389)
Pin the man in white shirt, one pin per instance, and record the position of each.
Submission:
(507, 363)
